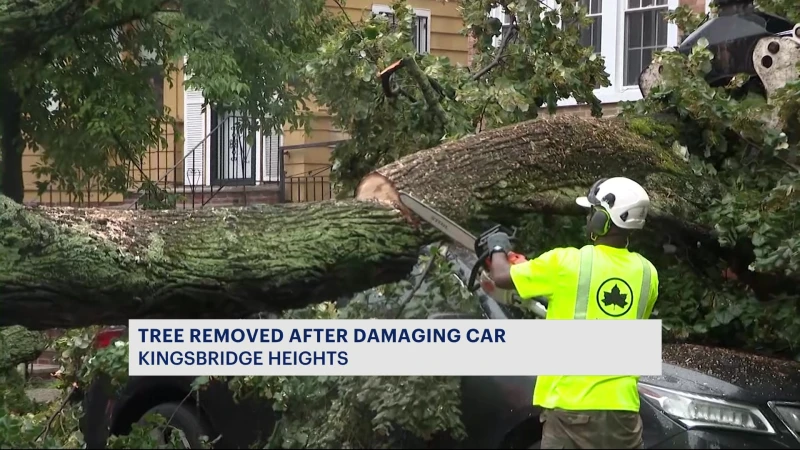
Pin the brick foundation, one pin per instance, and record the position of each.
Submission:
(698, 6)
(471, 48)
(48, 357)
(230, 196)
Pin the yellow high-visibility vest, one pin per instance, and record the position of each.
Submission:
(596, 282)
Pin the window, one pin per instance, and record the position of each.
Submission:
(158, 87)
(420, 25)
(149, 58)
(626, 33)
(591, 36)
(645, 33)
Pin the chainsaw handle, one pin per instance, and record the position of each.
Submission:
(513, 259)
(473, 275)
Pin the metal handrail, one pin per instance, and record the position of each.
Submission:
(175, 166)
(314, 144)
(318, 171)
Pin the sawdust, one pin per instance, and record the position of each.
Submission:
(128, 230)
(736, 367)
(115, 226)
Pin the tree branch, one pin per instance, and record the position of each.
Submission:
(159, 6)
(25, 29)
(498, 54)
(428, 92)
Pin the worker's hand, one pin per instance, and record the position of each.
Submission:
(499, 239)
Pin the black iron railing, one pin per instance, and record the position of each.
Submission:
(312, 186)
(231, 155)
(222, 166)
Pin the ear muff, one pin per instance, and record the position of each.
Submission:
(600, 222)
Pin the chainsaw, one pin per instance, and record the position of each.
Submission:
(479, 277)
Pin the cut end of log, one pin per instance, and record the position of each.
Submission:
(376, 187)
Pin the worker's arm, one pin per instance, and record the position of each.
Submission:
(532, 278)
(500, 271)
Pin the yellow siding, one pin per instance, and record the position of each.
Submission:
(445, 40)
(156, 162)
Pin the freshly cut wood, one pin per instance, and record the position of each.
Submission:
(64, 267)
(541, 166)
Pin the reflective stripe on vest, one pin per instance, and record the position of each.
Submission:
(585, 282)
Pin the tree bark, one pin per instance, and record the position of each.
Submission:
(18, 345)
(541, 166)
(66, 268)
(63, 268)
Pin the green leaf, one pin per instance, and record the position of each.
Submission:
(200, 382)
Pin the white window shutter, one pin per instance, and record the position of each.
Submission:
(271, 147)
(194, 141)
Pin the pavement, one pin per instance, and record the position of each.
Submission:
(43, 395)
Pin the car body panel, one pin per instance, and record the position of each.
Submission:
(717, 439)
(772, 380)
(493, 406)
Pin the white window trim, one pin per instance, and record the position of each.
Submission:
(602, 22)
(612, 48)
(420, 12)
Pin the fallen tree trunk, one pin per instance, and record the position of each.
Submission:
(65, 268)
(18, 345)
(541, 167)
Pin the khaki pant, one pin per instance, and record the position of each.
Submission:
(591, 429)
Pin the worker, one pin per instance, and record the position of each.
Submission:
(603, 281)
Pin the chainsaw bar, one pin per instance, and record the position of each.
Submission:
(439, 220)
(470, 243)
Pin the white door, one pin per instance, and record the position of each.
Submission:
(196, 125)
(271, 166)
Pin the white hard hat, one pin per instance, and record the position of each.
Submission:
(625, 200)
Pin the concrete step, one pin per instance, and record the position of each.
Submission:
(44, 371)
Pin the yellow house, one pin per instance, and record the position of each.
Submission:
(210, 164)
